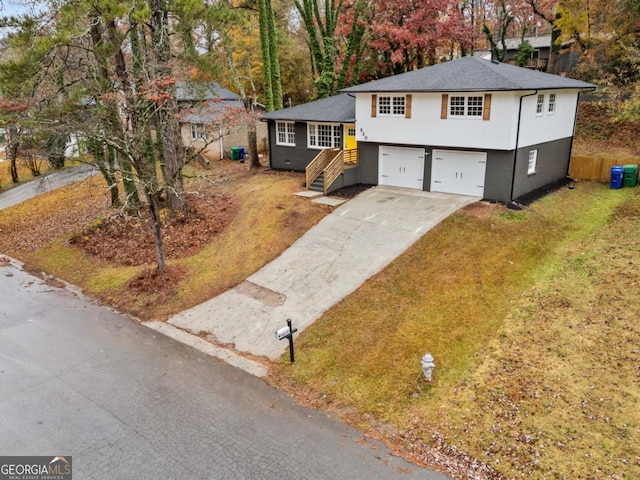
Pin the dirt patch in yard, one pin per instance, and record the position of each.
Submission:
(483, 210)
(154, 287)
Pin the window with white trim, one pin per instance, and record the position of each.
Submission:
(323, 135)
(392, 106)
(197, 131)
(533, 158)
(286, 133)
(540, 104)
(551, 109)
(466, 106)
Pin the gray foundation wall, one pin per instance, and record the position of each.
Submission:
(296, 158)
(498, 176)
(497, 179)
(552, 164)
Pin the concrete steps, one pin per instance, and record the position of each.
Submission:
(318, 184)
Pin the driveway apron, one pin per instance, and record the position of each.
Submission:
(356, 241)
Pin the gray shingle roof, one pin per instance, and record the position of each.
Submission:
(209, 111)
(194, 92)
(339, 108)
(469, 74)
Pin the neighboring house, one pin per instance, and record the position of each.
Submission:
(468, 126)
(541, 58)
(212, 119)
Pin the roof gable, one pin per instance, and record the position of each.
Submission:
(339, 108)
(469, 74)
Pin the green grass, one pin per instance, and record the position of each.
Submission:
(468, 292)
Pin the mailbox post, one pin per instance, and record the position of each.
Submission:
(287, 332)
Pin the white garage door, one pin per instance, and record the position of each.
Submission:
(401, 167)
(458, 172)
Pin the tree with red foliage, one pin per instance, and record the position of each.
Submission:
(406, 35)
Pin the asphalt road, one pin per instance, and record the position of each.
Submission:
(126, 402)
(45, 184)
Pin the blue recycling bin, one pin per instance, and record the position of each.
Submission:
(617, 175)
(241, 154)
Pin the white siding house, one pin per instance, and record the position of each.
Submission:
(469, 126)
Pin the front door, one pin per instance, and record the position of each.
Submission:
(350, 137)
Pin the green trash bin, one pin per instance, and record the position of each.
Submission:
(235, 153)
(630, 175)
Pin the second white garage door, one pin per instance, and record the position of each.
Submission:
(401, 167)
(458, 172)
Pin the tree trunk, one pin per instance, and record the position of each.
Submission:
(56, 145)
(154, 210)
(274, 57)
(107, 168)
(12, 149)
(132, 199)
(266, 55)
(252, 141)
(167, 108)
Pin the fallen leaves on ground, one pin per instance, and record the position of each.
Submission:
(123, 240)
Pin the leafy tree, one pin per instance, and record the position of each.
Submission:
(270, 56)
(498, 43)
(606, 35)
(409, 35)
(106, 69)
(321, 23)
(524, 53)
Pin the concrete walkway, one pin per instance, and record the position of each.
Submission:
(354, 242)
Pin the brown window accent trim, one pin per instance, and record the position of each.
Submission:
(374, 105)
(445, 106)
(486, 112)
(407, 106)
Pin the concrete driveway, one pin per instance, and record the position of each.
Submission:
(354, 242)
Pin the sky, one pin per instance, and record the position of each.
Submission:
(13, 7)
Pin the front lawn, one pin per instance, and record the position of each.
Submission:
(532, 318)
(66, 233)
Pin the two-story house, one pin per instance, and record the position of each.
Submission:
(469, 126)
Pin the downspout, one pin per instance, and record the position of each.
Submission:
(515, 152)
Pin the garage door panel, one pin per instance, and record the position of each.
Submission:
(401, 167)
(458, 172)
